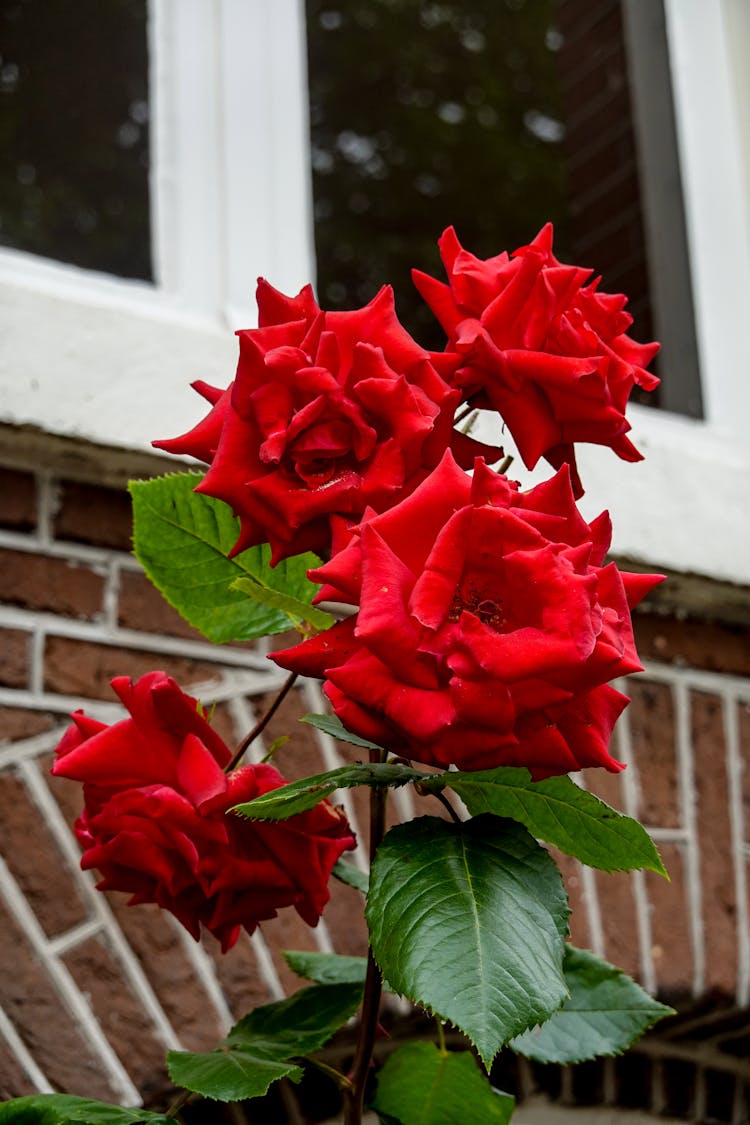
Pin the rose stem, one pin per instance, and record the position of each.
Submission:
(447, 805)
(262, 723)
(368, 1024)
(180, 1101)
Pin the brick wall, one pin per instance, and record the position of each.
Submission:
(75, 611)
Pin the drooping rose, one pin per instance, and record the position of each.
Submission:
(487, 629)
(542, 346)
(329, 413)
(155, 820)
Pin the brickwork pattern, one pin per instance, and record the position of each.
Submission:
(76, 610)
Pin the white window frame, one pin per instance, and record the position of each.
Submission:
(109, 360)
(94, 357)
(687, 505)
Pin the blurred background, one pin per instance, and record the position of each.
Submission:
(156, 157)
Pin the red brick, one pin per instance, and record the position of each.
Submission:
(652, 724)
(617, 909)
(17, 500)
(41, 1019)
(239, 975)
(17, 723)
(715, 840)
(570, 869)
(344, 916)
(693, 644)
(287, 931)
(90, 514)
(671, 947)
(81, 668)
(14, 658)
(123, 1018)
(608, 787)
(142, 607)
(34, 860)
(157, 945)
(743, 719)
(13, 1080)
(42, 583)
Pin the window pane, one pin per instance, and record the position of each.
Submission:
(493, 115)
(74, 132)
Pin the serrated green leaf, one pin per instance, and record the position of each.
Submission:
(558, 811)
(229, 1075)
(296, 610)
(605, 1012)
(469, 920)
(326, 968)
(258, 1049)
(183, 540)
(298, 796)
(351, 875)
(59, 1109)
(419, 1085)
(331, 724)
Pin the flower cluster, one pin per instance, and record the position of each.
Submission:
(329, 413)
(486, 624)
(487, 629)
(155, 819)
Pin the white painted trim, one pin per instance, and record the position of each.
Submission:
(23, 1056)
(109, 360)
(709, 130)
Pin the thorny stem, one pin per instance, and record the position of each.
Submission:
(368, 1025)
(262, 723)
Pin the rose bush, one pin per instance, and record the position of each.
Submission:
(329, 412)
(541, 345)
(487, 627)
(155, 819)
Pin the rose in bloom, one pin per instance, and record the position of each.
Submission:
(487, 627)
(155, 819)
(329, 413)
(542, 346)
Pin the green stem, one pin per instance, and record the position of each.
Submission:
(441, 1037)
(368, 1024)
(178, 1103)
(262, 723)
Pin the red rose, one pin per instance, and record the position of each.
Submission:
(329, 413)
(546, 350)
(155, 823)
(487, 627)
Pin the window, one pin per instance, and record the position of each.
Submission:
(498, 115)
(74, 133)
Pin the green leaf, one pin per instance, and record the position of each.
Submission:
(183, 540)
(59, 1109)
(469, 920)
(258, 1049)
(558, 811)
(419, 1085)
(296, 610)
(298, 796)
(605, 1012)
(351, 875)
(326, 968)
(331, 724)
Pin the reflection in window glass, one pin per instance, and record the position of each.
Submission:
(74, 119)
(422, 115)
(495, 116)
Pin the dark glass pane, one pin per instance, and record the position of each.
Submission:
(422, 115)
(494, 116)
(74, 132)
